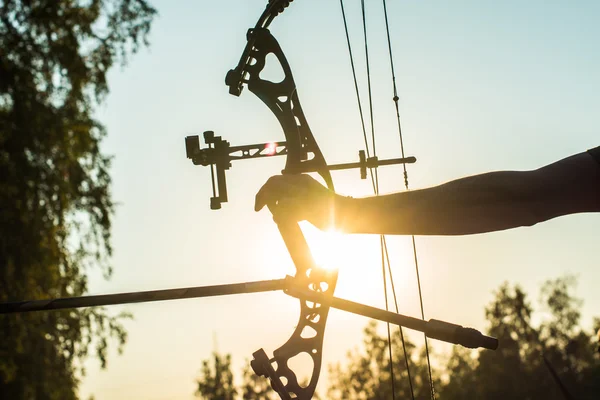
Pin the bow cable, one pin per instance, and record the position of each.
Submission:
(414, 245)
(375, 183)
(375, 178)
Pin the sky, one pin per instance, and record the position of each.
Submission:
(483, 86)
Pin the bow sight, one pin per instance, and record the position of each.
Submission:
(219, 154)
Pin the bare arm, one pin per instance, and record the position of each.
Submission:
(482, 203)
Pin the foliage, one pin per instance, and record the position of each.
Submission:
(55, 200)
(216, 382)
(216, 379)
(517, 370)
(255, 387)
(366, 374)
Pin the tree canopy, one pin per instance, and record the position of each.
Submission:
(55, 187)
(522, 368)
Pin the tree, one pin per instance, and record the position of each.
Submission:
(255, 387)
(367, 374)
(522, 366)
(216, 382)
(55, 199)
(216, 379)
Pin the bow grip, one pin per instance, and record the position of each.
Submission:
(297, 247)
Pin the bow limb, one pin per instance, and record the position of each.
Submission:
(308, 335)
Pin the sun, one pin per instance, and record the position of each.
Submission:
(326, 246)
(357, 258)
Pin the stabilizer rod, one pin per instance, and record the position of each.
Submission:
(435, 329)
(219, 154)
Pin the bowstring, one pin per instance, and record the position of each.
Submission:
(375, 179)
(375, 184)
(414, 245)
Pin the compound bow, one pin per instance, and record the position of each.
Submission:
(303, 155)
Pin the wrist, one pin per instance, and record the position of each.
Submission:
(345, 213)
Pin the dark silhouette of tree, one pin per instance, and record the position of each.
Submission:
(216, 382)
(517, 370)
(216, 379)
(521, 367)
(255, 387)
(55, 202)
(367, 372)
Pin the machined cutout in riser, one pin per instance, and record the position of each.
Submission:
(308, 332)
(303, 365)
(272, 71)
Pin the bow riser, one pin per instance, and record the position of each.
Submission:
(303, 153)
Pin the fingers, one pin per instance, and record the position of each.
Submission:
(293, 197)
(267, 195)
(287, 210)
(283, 189)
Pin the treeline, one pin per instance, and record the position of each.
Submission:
(551, 358)
(56, 207)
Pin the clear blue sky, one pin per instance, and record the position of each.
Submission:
(483, 86)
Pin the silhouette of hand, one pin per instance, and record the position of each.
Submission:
(298, 197)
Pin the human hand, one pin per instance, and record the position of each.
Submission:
(298, 197)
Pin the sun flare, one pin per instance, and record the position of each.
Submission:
(326, 246)
(357, 258)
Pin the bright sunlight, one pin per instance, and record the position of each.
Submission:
(357, 258)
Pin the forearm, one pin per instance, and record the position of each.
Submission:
(482, 203)
(469, 205)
